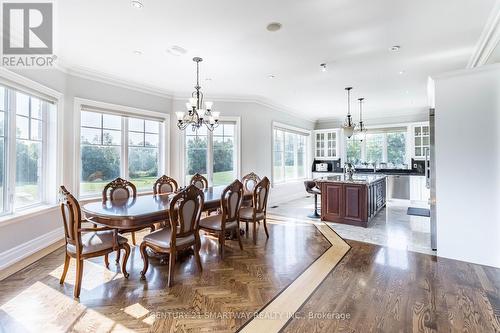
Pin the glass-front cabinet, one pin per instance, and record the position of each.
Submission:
(325, 144)
(421, 140)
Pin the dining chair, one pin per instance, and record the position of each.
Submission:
(199, 181)
(84, 243)
(249, 181)
(165, 184)
(184, 212)
(258, 210)
(228, 219)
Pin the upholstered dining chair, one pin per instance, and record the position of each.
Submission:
(184, 212)
(228, 219)
(249, 181)
(199, 181)
(258, 210)
(84, 243)
(165, 184)
(121, 190)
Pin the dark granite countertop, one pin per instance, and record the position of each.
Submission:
(357, 179)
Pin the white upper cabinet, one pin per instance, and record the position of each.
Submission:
(326, 144)
(421, 139)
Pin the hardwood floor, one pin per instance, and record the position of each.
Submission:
(389, 290)
(222, 299)
(372, 289)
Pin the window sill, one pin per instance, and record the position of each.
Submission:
(26, 214)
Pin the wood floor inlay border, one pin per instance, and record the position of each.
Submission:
(276, 314)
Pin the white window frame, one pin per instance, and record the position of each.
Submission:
(52, 149)
(210, 158)
(124, 111)
(308, 134)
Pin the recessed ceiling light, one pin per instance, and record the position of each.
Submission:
(137, 4)
(395, 48)
(208, 79)
(137, 52)
(271, 76)
(323, 67)
(274, 26)
(401, 72)
(176, 50)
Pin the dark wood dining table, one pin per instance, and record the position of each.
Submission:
(143, 210)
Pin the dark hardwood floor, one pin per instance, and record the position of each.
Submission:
(32, 299)
(389, 290)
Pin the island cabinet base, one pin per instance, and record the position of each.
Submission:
(351, 203)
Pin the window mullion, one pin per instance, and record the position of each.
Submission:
(11, 151)
(210, 158)
(124, 149)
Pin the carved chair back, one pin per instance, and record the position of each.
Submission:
(119, 189)
(231, 200)
(185, 212)
(199, 181)
(249, 181)
(164, 184)
(260, 195)
(71, 217)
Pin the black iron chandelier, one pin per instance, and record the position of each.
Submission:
(197, 116)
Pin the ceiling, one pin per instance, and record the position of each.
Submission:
(352, 37)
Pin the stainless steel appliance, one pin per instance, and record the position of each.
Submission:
(430, 176)
(398, 187)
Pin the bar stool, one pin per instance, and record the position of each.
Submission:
(311, 188)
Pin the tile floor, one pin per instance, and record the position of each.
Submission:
(392, 227)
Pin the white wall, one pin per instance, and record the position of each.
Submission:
(35, 232)
(468, 165)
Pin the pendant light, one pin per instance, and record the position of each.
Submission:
(361, 128)
(349, 125)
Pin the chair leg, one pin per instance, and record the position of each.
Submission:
(197, 255)
(246, 227)
(78, 281)
(106, 260)
(118, 253)
(254, 232)
(126, 247)
(171, 270)
(133, 238)
(239, 237)
(145, 260)
(265, 227)
(65, 269)
(222, 238)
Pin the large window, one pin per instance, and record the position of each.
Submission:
(382, 146)
(113, 145)
(212, 154)
(23, 142)
(290, 151)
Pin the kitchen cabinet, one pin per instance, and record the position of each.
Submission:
(421, 140)
(418, 190)
(326, 144)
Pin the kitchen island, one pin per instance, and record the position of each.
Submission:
(353, 202)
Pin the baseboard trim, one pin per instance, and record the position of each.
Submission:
(25, 254)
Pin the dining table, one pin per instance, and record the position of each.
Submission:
(144, 210)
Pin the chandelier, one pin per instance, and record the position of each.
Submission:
(349, 125)
(361, 127)
(196, 116)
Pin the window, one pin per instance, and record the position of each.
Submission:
(289, 154)
(380, 146)
(23, 145)
(143, 152)
(114, 145)
(212, 154)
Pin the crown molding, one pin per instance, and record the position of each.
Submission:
(489, 39)
(386, 116)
